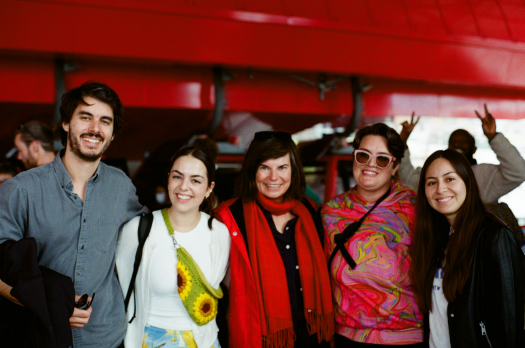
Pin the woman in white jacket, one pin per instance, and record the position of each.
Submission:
(176, 295)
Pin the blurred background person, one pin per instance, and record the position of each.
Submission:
(161, 197)
(34, 144)
(7, 171)
(493, 181)
(279, 286)
(369, 232)
(468, 270)
(167, 284)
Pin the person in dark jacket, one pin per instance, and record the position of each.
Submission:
(467, 269)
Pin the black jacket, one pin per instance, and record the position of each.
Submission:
(48, 297)
(494, 295)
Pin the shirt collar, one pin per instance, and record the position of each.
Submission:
(63, 175)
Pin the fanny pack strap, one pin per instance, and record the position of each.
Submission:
(343, 237)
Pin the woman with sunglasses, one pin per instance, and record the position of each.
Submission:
(368, 237)
(279, 286)
(184, 259)
(467, 267)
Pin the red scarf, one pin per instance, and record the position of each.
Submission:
(270, 276)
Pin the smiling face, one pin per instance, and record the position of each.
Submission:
(444, 189)
(273, 177)
(188, 184)
(90, 130)
(372, 181)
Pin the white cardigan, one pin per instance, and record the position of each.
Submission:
(127, 244)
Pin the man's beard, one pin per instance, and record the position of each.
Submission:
(77, 148)
(30, 161)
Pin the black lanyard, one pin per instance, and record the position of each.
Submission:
(343, 237)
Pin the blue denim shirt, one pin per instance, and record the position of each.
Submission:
(75, 238)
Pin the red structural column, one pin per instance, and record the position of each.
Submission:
(330, 177)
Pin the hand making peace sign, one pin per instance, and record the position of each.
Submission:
(488, 123)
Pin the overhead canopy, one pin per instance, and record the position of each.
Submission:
(437, 57)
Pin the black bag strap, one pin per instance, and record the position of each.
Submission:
(145, 223)
(343, 237)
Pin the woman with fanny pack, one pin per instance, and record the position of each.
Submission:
(174, 292)
(369, 232)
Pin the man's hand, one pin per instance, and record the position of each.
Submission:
(488, 123)
(80, 317)
(408, 127)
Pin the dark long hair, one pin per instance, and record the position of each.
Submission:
(260, 151)
(432, 238)
(208, 204)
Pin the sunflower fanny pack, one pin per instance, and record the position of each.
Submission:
(199, 298)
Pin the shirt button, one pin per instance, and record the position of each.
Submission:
(234, 233)
(452, 315)
(309, 311)
(301, 289)
(297, 267)
(287, 247)
(84, 220)
(287, 228)
(78, 273)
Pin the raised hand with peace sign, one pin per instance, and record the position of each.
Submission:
(488, 123)
(408, 127)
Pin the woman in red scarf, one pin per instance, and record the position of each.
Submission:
(279, 285)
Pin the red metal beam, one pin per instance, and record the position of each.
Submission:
(24, 80)
(390, 98)
(165, 31)
(330, 177)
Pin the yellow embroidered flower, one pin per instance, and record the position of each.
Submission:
(205, 308)
(183, 280)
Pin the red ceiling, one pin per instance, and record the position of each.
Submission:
(436, 57)
(479, 42)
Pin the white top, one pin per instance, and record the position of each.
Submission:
(219, 251)
(438, 321)
(166, 308)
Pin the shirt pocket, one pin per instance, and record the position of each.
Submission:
(105, 239)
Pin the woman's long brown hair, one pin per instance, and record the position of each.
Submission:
(431, 237)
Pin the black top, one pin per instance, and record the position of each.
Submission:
(285, 243)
